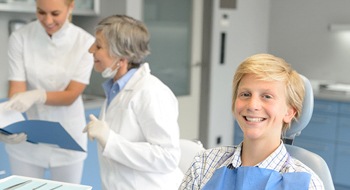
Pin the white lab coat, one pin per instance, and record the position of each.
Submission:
(142, 150)
(50, 64)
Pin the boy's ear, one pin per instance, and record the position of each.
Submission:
(289, 115)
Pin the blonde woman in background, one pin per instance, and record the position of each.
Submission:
(49, 69)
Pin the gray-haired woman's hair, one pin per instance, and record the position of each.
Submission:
(126, 37)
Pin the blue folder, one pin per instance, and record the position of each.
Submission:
(39, 131)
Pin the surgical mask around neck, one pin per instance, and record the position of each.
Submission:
(109, 73)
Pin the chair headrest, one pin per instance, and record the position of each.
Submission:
(305, 117)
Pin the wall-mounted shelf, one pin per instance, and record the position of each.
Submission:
(339, 27)
(82, 7)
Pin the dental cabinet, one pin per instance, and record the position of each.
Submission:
(327, 135)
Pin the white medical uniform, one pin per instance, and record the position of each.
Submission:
(50, 64)
(142, 150)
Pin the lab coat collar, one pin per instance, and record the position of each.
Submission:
(139, 74)
(109, 85)
(61, 32)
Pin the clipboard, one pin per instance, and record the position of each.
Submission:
(38, 131)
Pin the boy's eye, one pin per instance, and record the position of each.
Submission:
(267, 96)
(245, 94)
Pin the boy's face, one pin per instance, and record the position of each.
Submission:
(261, 108)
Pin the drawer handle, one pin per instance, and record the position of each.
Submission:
(315, 146)
(344, 152)
(324, 107)
(321, 120)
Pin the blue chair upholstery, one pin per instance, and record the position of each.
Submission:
(308, 107)
(312, 160)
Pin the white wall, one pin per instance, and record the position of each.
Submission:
(247, 34)
(5, 17)
(108, 7)
(295, 30)
(298, 32)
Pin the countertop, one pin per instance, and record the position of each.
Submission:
(92, 102)
(333, 95)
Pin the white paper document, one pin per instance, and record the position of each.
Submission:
(8, 117)
(38, 131)
(27, 183)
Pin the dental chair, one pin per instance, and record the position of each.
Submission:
(189, 149)
(312, 160)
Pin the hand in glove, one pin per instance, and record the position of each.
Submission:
(97, 129)
(13, 139)
(24, 100)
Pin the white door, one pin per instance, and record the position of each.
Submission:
(176, 35)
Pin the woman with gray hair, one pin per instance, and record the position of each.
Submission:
(137, 130)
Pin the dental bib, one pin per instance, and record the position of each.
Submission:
(255, 178)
